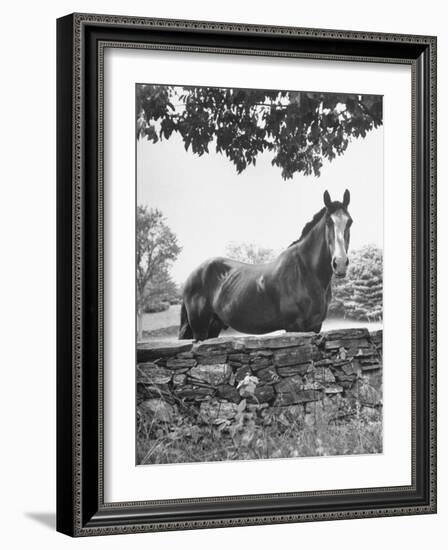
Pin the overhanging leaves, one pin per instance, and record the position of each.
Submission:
(301, 129)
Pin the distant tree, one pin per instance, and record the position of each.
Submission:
(360, 295)
(301, 129)
(162, 292)
(250, 253)
(157, 247)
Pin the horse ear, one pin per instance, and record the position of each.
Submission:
(346, 199)
(327, 199)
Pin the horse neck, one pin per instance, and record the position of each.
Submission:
(315, 254)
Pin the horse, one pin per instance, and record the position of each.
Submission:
(291, 293)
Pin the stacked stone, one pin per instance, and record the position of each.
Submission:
(292, 371)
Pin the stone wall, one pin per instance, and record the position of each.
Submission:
(298, 373)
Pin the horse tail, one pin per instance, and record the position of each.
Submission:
(185, 331)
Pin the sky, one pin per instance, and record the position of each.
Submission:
(207, 204)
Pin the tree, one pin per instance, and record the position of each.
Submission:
(301, 129)
(162, 292)
(249, 253)
(157, 247)
(360, 295)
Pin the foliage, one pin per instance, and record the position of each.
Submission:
(157, 247)
(301, 129)
(162, 292)
(249, 253)
(255, 432)
(156, 306)
(360, 294)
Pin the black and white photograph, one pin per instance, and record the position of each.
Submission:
(221, 286)
(259, 274)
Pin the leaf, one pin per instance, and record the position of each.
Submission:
(223, 425)
(241, 406)
(245, 123)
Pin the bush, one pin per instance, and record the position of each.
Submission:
(162, 290)
(156, 307)
(360, 295)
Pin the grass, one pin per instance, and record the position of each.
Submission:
(257, 433)
(162, 319)
(164, 325)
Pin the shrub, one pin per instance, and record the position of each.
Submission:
(359, 295)
(156, 307)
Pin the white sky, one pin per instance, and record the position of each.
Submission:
(207, 204)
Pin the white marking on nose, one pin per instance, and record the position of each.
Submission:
(339, 222)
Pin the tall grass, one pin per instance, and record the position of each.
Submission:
(257, 432)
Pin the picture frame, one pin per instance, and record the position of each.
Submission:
(81, 506)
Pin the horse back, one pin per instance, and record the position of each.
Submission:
(206, 279)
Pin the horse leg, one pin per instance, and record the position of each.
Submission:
(185, 332)
(215, 327)
(208, 326)
(200, 319)
(200, 328)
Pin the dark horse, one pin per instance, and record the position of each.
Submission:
(290, 293)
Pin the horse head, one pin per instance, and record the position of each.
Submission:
(337, 231)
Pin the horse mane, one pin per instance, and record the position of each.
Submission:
(307, 228)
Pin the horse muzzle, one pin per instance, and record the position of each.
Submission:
(339, 266)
